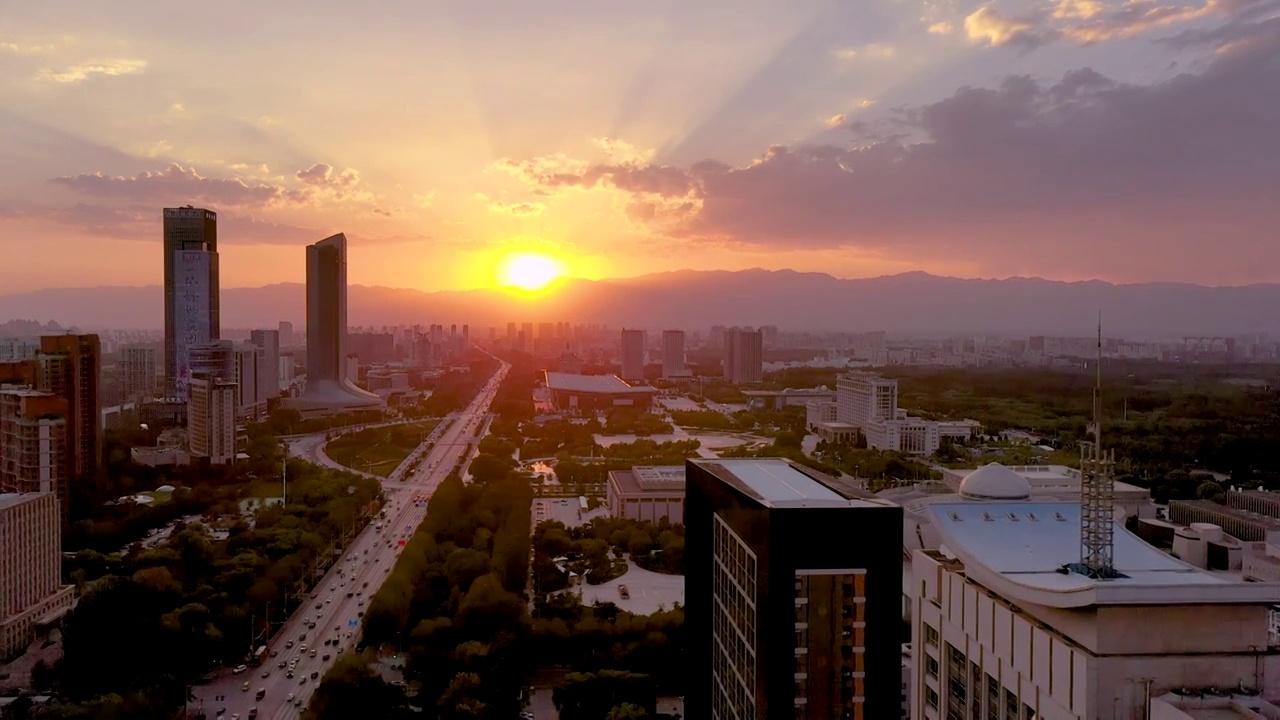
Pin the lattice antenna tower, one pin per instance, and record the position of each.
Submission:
(1097, 490)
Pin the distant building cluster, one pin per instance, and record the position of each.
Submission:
(866, 405)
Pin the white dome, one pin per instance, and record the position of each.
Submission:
(994, 482)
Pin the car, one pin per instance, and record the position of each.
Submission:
(360, 602)
(281, 665)
(351, 594)
(302, 647)
(239, 669)
(319, 606)
(302, 680)
(313, 653)
(289, 674)
(332, 588)
(623, 592)
(325, 657)
(288, 644)
(245, 686)
(328, 601)
(289, 698)
(315, 674)
(297, 703)
(366, 584)
(266, 673)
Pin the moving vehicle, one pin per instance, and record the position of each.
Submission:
(262, 692)
(239, 669)
(245, 686)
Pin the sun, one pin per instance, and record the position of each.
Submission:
(528, 271)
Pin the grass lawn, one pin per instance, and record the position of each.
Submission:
(379, 450)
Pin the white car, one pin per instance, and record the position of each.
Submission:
(239, 669)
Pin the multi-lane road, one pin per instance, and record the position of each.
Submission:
(327, 622)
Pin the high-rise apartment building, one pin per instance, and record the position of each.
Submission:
(673, 353)
(328, 388)
(268, 343)
(286, 334)
(30, 568)
(139, 371)
(247, 361)
(191, 290)
(33, 442)
(632, 356)
(743, 356)
(211, 418)
(786, 622)
(288, 367)
(71, 367)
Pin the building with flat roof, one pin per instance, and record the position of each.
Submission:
(870, 403)
(140, 368)
(785, 622)
(268, 371)
(743, 360)
(595, 392)
(647, 492)
(673, 358)
(33, 443)
(211, 419)
(631, 357)
(778, 399)
(191, 289)
(1004, 627)
(30, 569)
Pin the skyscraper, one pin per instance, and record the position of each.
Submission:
(743, 356)
(211, 418)
(190, 289)
(786, 623)
(672, 353)
(632, 356)
(286, 333)
(268, 342)
(328, 389)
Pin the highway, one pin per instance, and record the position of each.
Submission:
(328, 620)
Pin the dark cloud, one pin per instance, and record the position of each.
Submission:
(174, 185)
(1024, 164)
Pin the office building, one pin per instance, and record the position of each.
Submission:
(673, 354)
(288, 368)
(268, 343)
(71, 368)
(211, 418)
(14, 349)
(30, 569)
(647, 492)
(329, 390)
(139, 371)
(216, 359)
(743, 359)
(33, 443)
(191, 289)
(786, 622)
(286, 334)
(632, 355)
(867, 404)
(247, 361)
(1005, 626)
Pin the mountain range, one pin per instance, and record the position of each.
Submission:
(794, 301)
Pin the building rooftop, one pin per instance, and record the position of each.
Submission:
(1046, 478)
(649, 478)
(1020, 549)
(8, 500)
(994, 482)
(780, 483)
(790, 392)
(602, 384)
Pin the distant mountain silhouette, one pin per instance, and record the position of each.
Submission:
(909, 303)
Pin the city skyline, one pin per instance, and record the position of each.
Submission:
(1070, 140)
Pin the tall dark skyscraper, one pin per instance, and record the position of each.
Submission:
(328, 389)
(191, 289)
(793, 595)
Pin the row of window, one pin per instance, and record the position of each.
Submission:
(970, 691)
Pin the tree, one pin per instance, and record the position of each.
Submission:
(587, 696)
(486, 468)
(352, 689)
(627, 711)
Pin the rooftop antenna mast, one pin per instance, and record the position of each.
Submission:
(1097, 490)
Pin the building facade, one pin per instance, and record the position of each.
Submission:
(585, 393)
(191, 289)
(647, 492)
(268, 344)
(1003, 628)
(786, 623)
(248, 362)
(139, 371)
(631, 363)
(71, 367)
(743, 360)
(211, 419)
(329, 391)
(673, 354)
(30, 569)
(33, 443)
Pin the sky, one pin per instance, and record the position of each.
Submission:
(1131, 140)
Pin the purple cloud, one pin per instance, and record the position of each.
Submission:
(173, 185)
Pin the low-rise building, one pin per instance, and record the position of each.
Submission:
(1004, 626)
(778, 399)
(647, 492)
(31, 568)
(595, 392)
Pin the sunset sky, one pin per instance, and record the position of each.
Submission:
(1129, 141)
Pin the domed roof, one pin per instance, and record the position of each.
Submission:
(994, 482)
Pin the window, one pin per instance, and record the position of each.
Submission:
(931, 667)
(930, 636)
(931, 698)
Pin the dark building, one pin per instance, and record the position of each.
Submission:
(71, 368)
(372, 348)
(793, 595)
(191, 307)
